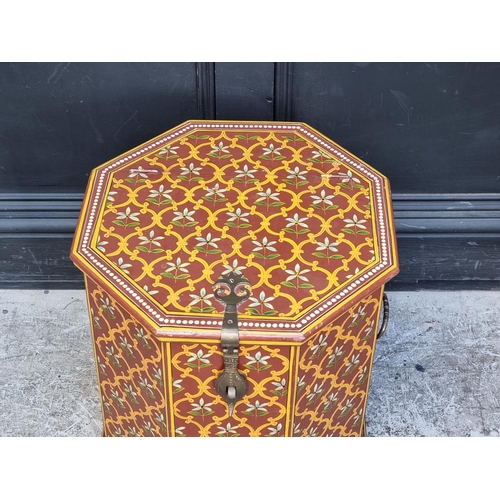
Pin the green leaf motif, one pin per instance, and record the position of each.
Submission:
(167, 275)
(238, 179)
(252, 310)
(321, 255)
(193, 223)
(183, 177)
(183, 276)
(270, 313)
(196, 309)
(157, 250)
(280, 393)
(252, 180)
(208, 309)
(273, 255)
(265, 157)
(177, 223)
(350, 231)
(302, 183)
(142, 249)
(303, 231)
(214, 251)
(336, 256)
(153, 200)
(332, 207)
(133, 224)
(343, 184)
(258, 255)
(288, 284)
(363, 232)
(288, 230)
(119, 222)
(231, 224)
(261, 203)
(314, 160)
(306, 285)
(277, 204)
(289, 181)
(244, 226)
(358, 186)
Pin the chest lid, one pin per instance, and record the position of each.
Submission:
(305, 222)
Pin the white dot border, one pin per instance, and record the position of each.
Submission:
(137, 296)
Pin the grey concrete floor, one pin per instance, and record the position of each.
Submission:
(435, 371)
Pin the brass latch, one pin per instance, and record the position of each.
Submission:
(231, 384)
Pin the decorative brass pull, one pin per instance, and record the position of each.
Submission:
(231, 384)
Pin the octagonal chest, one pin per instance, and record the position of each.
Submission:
(234, 273)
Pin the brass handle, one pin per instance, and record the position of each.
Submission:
(385, 321)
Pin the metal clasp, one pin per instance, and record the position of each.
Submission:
(231, 384)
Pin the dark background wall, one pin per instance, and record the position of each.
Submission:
(433, 129)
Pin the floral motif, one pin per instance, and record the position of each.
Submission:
(279, 388)
(145, 384)
(258, 362)
(190, 173)
(256, 409)
(319, 348)
(156, 195)
(199, 360)
(228, 431)
(215, 194)
(265, 246)
(129, 390)
(245, 175)
(323, 201)
(275, 431)
(168, 152)
(296, 177)
(205, 243)
(107, 308)
(202, 299)
(235, 268)
(268, 199)
(123, 266)
(184, 218)
(335, 356)
(298, 275)
(328, 247)
(263, 303)
(349, 181)
(351, 364)
(201, 409)
(147, 242)
(314, 394)
(141, 337)
(174, 268)
(101, 246)
(272, 153)
(294, 223)
(319, 156)
(236, 218)
(127, 218)
(330, 402)
(355, 223)
(220, 151)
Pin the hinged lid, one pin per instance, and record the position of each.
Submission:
(307, 223)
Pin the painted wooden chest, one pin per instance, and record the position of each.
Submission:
(234, 274)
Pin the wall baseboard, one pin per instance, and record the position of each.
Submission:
(444, 241)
